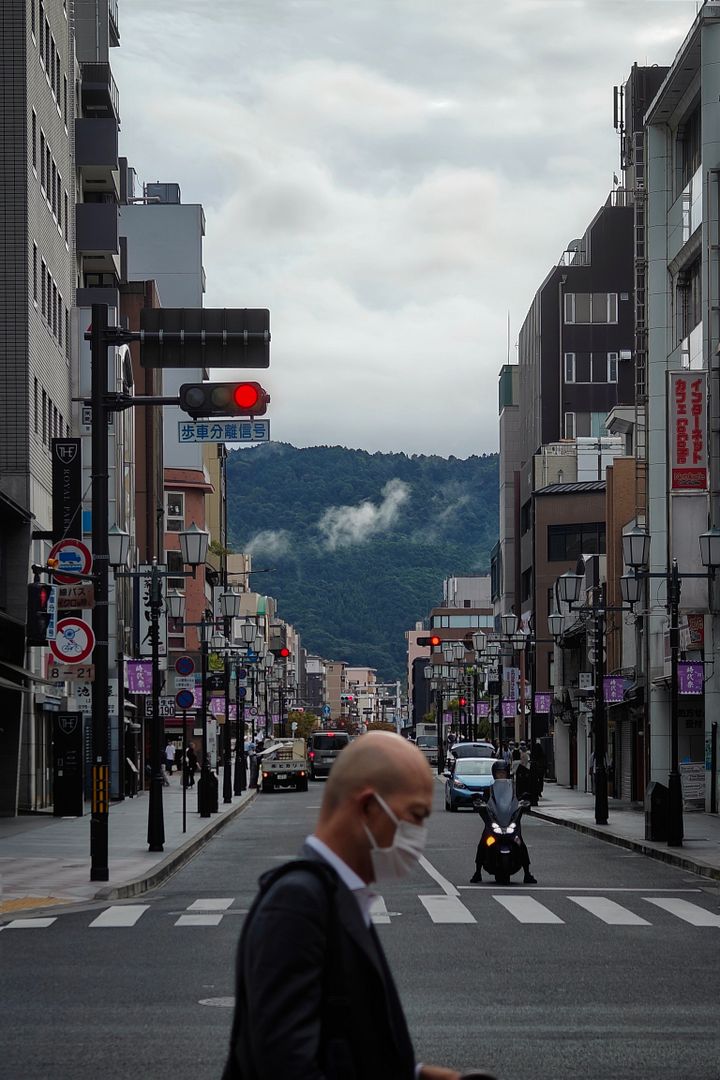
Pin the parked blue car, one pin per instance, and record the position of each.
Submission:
(469, 777)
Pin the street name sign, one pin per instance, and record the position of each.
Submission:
(76, 672)
(221, 431)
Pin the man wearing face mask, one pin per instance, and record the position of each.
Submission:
(315, 999)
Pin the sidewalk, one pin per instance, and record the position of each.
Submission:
(46, 861)
(700, 853)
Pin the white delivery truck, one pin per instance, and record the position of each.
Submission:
(426, 739)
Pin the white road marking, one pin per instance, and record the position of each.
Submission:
(29, 924)
(686, 911)
(378, 911)
(447, 909)
(198, 920)
(527, 910)
(447, 886)
(574, 888)
(120, 915)
(608, 911)
(212, 905)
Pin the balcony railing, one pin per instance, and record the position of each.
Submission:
(99, 92)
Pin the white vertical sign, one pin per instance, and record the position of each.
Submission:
(145, 635)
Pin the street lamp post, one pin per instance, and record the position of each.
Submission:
(229, 609)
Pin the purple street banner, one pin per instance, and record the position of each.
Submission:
(543, 703)
(690, 677)
(509, 709)
(217, 707)
(139, 676)
(483, 708)
(613, 689)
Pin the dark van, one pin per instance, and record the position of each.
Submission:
(323, 748)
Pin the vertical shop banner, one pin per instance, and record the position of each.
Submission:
(687, 414)
(139, 676)
(66, 488)
(483, 708)
(613, 689)
(509, 709)
(543, 703)
(690, 677)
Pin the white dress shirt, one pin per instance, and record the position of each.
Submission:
(353, 881)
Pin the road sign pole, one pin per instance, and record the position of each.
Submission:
(185, 769)
(227, 760)
(99, 870)
(156, 821)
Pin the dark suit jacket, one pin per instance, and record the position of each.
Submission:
(300, 1017)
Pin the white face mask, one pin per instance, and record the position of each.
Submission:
(397, 861)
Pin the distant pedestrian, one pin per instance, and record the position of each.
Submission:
(537, 772)
(191, 765)
(169, 757)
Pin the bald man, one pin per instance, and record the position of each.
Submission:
(315, 999)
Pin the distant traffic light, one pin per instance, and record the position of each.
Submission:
(433, 641)
(38, 616)
(223, 399)
(281, 654)
(462, 702)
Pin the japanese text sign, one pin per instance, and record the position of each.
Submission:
(687, 410)
(690, 678)
(542, 703)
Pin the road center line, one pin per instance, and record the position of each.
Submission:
(447, 886)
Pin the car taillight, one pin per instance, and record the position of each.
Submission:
(311, 755)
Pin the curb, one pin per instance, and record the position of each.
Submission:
(176, 859)
(692, 866)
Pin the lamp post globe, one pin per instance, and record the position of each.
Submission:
(569, 586)
(194, 543)
(556, 624)
(230, 604)
(710, 548)
(175, 604)
(509, 624)
(118, 546)
(636, 547)
(428, 671)
(247, 632)
(631, 588)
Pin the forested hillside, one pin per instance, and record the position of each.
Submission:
(361, 541)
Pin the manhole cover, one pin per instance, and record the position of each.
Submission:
(218, 1003)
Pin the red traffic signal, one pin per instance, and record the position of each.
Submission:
(433, 640)
(462, 702)
(281, 654)
(223, 399)
(38, 616)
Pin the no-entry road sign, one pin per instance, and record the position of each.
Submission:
(74, 640)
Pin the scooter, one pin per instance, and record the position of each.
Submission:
(500, 847)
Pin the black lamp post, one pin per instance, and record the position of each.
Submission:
(193, 546)
(636, 553)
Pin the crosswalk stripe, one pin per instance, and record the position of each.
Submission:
(686, 911)
(527, 910)
(29, 924)
(379, 912)
(608, 911)
(120, 915)
(447, 909)
(211, 905)
(198, 920)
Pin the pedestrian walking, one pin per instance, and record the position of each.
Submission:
(315, 997)
(169, 757)
(191, 765)
(537, 772)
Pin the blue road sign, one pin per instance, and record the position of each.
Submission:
(185, 665)
(242, 691)
(326, 710)
(242, 673)
(185, 699)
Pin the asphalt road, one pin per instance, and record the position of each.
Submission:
(601, 983)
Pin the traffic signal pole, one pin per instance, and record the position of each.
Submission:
(100, 803)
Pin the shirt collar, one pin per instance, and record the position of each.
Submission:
(347, 875)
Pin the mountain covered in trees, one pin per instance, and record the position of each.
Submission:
(360, 542)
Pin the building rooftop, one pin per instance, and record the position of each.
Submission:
(578, 488)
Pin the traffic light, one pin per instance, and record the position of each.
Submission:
(281, 654)
(433, 641)
(462, 702)
(223, 399)
(38, 615)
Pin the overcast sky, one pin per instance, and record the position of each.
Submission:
(390, 178)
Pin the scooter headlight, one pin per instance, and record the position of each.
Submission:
(511, 827)
(496, 828)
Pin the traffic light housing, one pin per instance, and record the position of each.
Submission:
(38, 616)
(462, 702)
(209, 399)
(433, 640)
(281, 654)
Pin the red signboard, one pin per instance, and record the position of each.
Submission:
(687, 408)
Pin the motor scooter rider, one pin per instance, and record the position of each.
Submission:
(500, 771)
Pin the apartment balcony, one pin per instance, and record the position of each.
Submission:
(98, 92)
(96, 237)
(96, 154)
(113, 23)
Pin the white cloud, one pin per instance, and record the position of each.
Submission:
(388, 177)
(269, 542)
(346, 525)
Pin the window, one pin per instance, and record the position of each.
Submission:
(569, 425)
(35, 272)
(567, 542)
(53, 310)
(65, 99)
(44, 416)
(175, 565)
(526, 584)
(53, 56)
(612, 367)
(569, 367)
(32, 17)
(689, 288)
(176, 633)
(34, 140)
(53, 187)
(597, 307)
(43, 280)
(60, 320)
(41, 24)
(65, 213)
(42, 160)
(47, 169)
(35, 406)
(57, 76)
(59, 201)
(525, 517)
(67, 332)
(174, 511)
(689, 135)
(48, 39)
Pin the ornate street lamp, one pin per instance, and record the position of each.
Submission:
(710, 548)
(247, 632)
(230, 604)
(118, 546)
(556, 624)
(636, 547)
(175, 604)
(631, 588)
(194, 545)
(569, 586)
(509, 624)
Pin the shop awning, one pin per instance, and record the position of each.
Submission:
(25, 673)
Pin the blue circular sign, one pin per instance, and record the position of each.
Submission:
(185, 699)
(185, 665)
(242, 691)
(242, 673)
